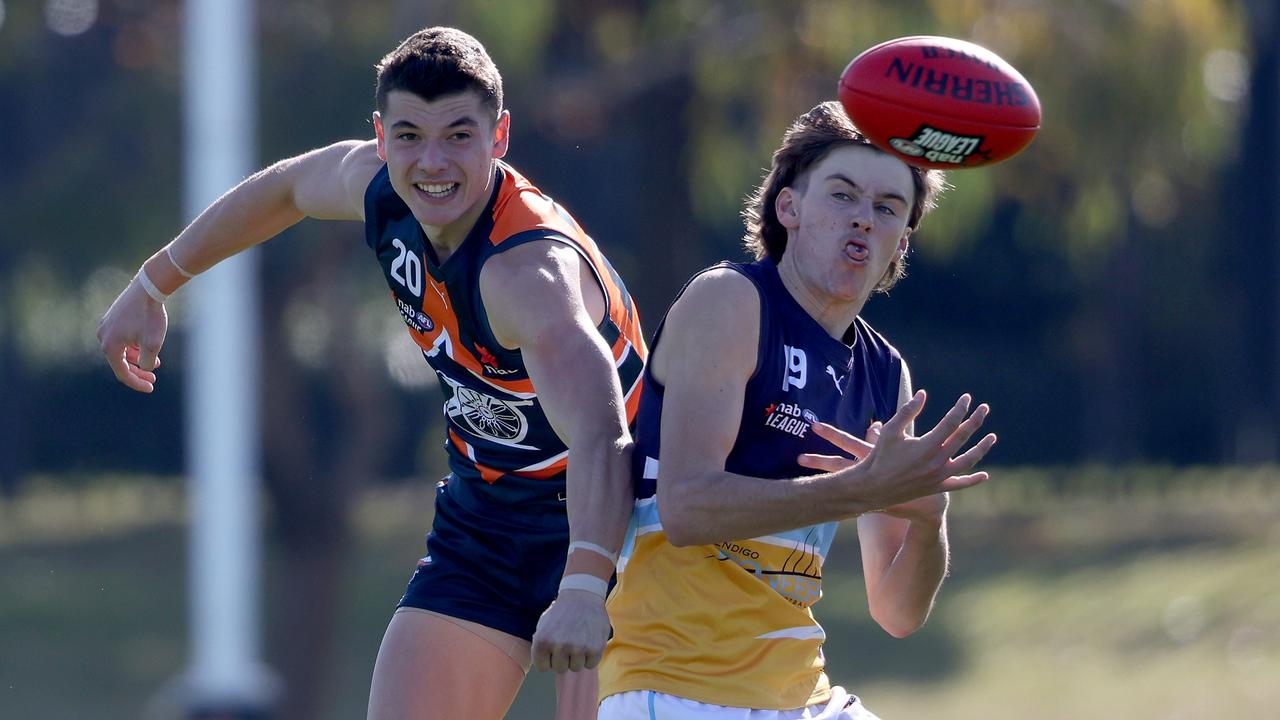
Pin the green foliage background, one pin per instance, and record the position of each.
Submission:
(1112, 291)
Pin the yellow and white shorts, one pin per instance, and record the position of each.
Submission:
(650, 705)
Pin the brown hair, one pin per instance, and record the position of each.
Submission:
(439, 61)
(807, 142)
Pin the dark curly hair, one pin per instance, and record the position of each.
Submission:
(439, 61)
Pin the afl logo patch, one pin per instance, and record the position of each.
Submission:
(906, 147)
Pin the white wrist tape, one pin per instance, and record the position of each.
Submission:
(150, 287)
(168, 250)
(583, 581)
(592, 547)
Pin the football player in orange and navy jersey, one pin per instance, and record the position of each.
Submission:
(760, 373)
(538, 348)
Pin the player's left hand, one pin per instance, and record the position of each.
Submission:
(571, 634)
(928, 510)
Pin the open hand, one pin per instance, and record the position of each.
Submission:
(893, 471)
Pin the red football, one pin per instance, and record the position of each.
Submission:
(939, 102)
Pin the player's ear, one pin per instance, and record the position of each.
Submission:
(382, 137)
(904, 243)
(502, 135)
(786, 206)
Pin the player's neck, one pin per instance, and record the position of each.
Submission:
(446, 239)
(835, 315)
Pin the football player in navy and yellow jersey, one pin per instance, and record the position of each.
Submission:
(538, 348)
(761, 373)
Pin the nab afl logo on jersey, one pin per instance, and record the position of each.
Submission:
(797, 368)
(415, 319)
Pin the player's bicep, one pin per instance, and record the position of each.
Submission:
(576, 384)
(706, 355)
(329, 183)
(534, 303)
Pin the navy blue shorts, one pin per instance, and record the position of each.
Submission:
(489, 565)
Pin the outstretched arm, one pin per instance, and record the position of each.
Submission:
(540, 299)
(706, 356)
(327, 183)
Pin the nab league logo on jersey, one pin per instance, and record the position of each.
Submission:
(790, 418)
(415, 319)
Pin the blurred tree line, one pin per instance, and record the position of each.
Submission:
(1112, 292)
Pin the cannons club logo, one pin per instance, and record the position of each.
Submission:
(489, 416)
(939, 146)
(486, 416)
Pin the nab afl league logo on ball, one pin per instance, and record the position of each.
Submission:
(939, 146)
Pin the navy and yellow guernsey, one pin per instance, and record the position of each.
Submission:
(503, 452)
(730, 623)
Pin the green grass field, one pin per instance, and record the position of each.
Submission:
(1091, 593)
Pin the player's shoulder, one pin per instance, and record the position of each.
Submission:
(360, 162)
(719, 313)
(711, 331)
(364, 175)
(529, 283)
(722, 287)
(329, 182)
(361, 153)
(533, 259)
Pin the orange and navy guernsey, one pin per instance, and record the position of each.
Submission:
(730, 623)
(502, 449)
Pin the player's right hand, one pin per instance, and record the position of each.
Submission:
(902, 467)
(895, 467)
(130, 334)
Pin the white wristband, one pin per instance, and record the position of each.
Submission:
(583, 581)
(168, 250)
(150, 287)
(592, 547)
